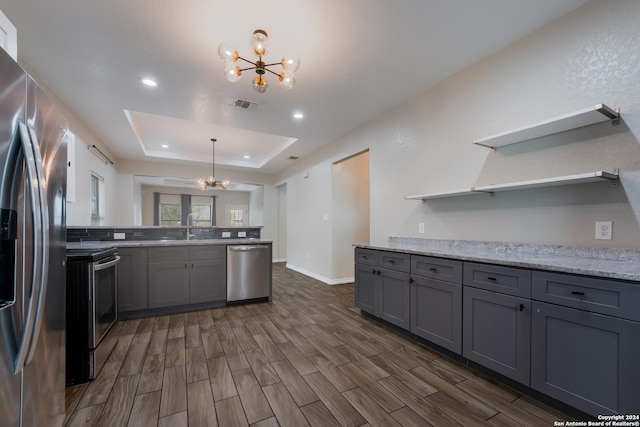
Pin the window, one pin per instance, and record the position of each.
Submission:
(173, 209)
(201, 208)
(97, 199)
(170, 210)
(236, 215)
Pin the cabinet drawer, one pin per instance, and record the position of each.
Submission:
(506, 280)
(197, 253)
(367, 256)
(437, 268)
(168, 254)
(395, 261)
(614, 298)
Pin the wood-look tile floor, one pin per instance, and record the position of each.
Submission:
(307, 358)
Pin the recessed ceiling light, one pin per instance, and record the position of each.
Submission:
(298, 115)
(149, 82)
(247, 157)
(165, 146)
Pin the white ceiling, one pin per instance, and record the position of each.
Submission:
(358, 59)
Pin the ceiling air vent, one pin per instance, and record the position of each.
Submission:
(245, 105)
(293, 157)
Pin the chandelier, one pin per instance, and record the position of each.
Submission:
(260, 45)
(211, 182)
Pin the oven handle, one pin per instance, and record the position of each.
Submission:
(98, 267)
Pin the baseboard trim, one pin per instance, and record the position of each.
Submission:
(322, 279)
(279, 260)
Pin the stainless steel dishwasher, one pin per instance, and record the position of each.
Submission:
(248, 272)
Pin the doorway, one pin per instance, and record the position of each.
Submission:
(351, 202)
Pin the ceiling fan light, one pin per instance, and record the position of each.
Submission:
(224, 184)
(227, 52)
(287, 79)
(259, 42)
(291, 62)
(260, 84)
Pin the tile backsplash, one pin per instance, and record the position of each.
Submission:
(86, 234)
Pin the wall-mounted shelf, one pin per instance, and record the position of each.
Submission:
(582, 178)
(588, 116)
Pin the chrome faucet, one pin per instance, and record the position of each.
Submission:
(189, 219)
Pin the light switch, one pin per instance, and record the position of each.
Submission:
(118, 236)
(226, 234)
(242, 234)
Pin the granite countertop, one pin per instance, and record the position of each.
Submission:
(149, 243)
(621, 264)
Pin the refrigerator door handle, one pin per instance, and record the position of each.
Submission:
(43, 247)
(32, 178)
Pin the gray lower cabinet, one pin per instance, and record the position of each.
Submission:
(571, 337)
(436, 312)
(207, 274)
(366, 288)
(497, 332)
(394, 304)
(132, 279)
(587, 360)
(581, 323)
(168, 283)
(436, 301)
(382, 285)
(180, 275)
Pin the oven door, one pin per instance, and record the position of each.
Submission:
(104, 299)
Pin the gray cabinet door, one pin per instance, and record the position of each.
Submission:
(587, 360)
(168, 284)
(497, 332)
(207, 281)
(366, 287)
(436, 312)
(394, 304)
(132, 279)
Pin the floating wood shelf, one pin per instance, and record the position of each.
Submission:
(581, 178)
(588, 116)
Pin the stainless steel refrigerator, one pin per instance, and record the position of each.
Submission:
(33, 167)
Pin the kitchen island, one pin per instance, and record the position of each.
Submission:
(169, 276)
(529, 315)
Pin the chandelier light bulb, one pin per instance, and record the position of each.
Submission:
(291, 62)
(259, 42)
(260, 84)
(227, 52)
(232, 71)
(287, 79)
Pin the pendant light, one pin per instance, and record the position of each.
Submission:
(211, 182)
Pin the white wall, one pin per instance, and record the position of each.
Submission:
(424, 145)
(79, 212)
(281, 253)
(256, 207)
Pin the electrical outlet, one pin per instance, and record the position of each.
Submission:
(118, 236)
(604, 230)
(421, 227)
